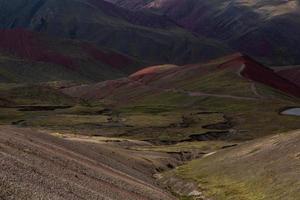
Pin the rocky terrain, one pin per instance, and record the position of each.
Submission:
(36, 165)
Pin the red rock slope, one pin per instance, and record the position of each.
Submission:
(259, 73)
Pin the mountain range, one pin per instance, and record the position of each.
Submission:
(147, 33)
(145, 37)
(266, 30)
(149, 99)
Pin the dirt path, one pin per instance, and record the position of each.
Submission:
(255, 91)
(253, 85)
(243, 66)
(199, 94)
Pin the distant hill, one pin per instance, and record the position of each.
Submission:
(235, 76)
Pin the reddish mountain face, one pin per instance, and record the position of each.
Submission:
(45, 58)
(257, 72)
(30, 45)
(110, 58)
(292, 74)
(26, 44)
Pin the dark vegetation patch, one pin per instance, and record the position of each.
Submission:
(105, 111)
(19, 122)
(41, 108)
(211, 135)
(157, 109)
(186, 155)
(229, 146)
(228, 124)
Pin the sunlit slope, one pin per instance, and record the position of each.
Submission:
(266, 168)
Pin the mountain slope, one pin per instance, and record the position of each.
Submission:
(32, 57)
(291, 73)
(266, 30)
(146, 36)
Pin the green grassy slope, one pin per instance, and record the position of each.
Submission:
(261, 169)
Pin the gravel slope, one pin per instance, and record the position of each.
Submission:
(35, 165)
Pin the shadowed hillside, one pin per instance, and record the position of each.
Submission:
(267, 30)
(291, 73)
(145, 36)
(33, 57)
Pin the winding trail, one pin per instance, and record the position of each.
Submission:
(253, 85)
(199, 94)
(255, 91)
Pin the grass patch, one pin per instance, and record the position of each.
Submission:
(220, 82)
(66, 120)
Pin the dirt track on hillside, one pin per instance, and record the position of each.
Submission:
(35, 165)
